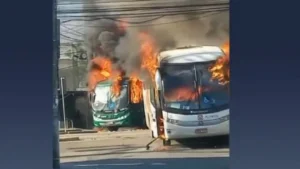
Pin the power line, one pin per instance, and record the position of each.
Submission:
(72, 53)
(153, 15)
(142, 25)
(138, 12)
(75, 32)
(129, 16)
(157, 24)
(70, 38)
(118, 20)
(118, 1)
(148, 14)
(155, 10)
(140, 8)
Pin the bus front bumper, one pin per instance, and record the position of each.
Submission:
(181, 132)
(117, 119)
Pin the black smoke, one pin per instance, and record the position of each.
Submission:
(105, 37)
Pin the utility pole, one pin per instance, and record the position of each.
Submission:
(56, 52)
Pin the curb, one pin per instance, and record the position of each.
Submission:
(79, 131)
(69, 139)
(76, 132)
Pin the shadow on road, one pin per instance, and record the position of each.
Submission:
(121, 150)
(167, 163)
(194, 143)
(99, 148)
(186, 144)
(112, 149)
(205, 143)
(134, 149)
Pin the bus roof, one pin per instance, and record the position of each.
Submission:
(190, 54)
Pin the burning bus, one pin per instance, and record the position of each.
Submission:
(189, 93)
(115, 99)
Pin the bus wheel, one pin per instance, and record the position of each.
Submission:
(113, 128)
(166, 142)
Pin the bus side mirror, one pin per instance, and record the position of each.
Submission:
(158, 80)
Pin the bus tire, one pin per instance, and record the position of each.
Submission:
(113, 128)
(166, 142)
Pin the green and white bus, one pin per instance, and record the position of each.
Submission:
(110, 111)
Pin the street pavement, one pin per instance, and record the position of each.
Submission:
(128, 151)
(87, 136)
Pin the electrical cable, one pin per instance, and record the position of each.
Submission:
(70, 37)
(155, 24)
(118, 1)
(150, 20)
(140, 8)
(75, 32)
(142, 15)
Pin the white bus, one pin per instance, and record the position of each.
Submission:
(184, 102)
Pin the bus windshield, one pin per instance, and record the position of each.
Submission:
(180, 90)
(189, 87)
(106, 101)
(213, 94)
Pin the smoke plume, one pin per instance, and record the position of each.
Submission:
(107, 38)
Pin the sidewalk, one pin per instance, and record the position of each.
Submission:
(102, 135)
(78, 131)
(75, 131)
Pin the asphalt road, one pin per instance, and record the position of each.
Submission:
(129, 151)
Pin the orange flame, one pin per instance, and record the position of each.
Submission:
(181, 94)
(148, 54)
(221, 69)
(116, 87)
(135, 89)
(150, 63)
(185, 93)
(104, 72)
